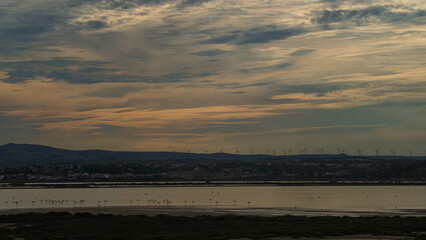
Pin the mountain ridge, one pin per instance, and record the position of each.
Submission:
(27, 154)
(24, 154)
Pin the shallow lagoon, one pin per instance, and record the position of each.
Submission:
(263, 200)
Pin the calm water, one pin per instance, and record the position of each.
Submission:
(257, 198)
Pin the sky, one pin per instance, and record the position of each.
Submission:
(180, 75)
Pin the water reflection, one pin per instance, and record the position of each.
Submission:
(253, 198)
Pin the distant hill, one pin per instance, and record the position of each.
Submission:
(25, 154)
(29, 154)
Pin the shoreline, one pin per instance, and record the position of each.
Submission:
(220, 211)
(205, 184)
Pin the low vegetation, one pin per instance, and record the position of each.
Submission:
(34, 226)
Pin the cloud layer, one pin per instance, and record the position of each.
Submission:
(199, 74)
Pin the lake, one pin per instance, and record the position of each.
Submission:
(269, 200)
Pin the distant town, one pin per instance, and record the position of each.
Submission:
(347, 169)
(58, 165)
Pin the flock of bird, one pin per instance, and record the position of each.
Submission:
(139, 199)
(14, 203)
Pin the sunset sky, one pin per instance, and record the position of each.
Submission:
(174, 75)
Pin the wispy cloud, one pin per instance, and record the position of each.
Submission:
(262, 34)
(200, 73)
(370, 15)
(301, 52)
(210, 53)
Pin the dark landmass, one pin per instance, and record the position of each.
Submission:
(20, 163)
(28, 154)
(34, 226)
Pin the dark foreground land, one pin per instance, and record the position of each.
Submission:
(88, 226)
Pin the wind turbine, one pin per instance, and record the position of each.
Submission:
(338, 150)
(322, 150)
(391, 152)
(221, 150)
(285, 152)
(305, 150)
(290, 151)
(359, 152)
(205, 151)
(236, 151)
(267, 151)
(188, 151)
(411, 153)
(252, 151)
(273, 151)
(377, 152)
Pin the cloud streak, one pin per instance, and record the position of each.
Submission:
(370, 15)
(263, 34)
(178, 73)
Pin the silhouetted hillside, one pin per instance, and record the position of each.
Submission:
(25, 154)
(28, 154)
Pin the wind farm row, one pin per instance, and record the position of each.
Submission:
(304, 151)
